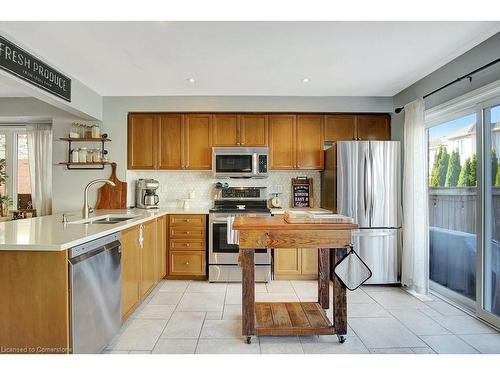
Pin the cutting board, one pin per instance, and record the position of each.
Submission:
(112, 196)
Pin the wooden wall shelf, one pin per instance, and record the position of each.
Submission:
(86, 139)
(83, 166)
(87, 165)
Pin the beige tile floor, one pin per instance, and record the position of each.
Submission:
(187, 317)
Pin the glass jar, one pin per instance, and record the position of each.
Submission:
(75, 155)
(74, 132)
(96, 131)
(88, 131)
(97, 156)
(81, 130)
(82, 155)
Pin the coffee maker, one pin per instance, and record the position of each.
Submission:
(145, 193)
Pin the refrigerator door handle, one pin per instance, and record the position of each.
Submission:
(372, 190)
(365, 188)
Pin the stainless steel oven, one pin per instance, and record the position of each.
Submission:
(223, 257)
(240, 162)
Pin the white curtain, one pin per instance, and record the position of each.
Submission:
(415, 264)
(40, 161)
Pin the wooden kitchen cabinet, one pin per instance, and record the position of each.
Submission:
(170, 141)
(309, 262)
(148, 257)
(309, 142)
(142, 142)
(357, 127)
(296, 142)
(295, 263)
(287, 262)
(253, 130)
(248, 130)
(373, 127)
(282, 137)
(131, 271)
(187, 247)
(226, 130)
(140, 263)
(187, 263)
(161, 247)
(340, 128)
(198, 141)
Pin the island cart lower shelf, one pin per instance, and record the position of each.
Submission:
(291, 319)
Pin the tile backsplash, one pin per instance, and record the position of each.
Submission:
(175, 186)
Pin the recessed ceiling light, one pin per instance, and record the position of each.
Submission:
(191, 80)
(305, 80)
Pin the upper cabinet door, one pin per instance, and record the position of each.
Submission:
(373, 127)
(282, 129)
(340, 128)
(309, 142)
(225, 130)
(198, 141)
(170, 145)
(253, 130)
(142, 150)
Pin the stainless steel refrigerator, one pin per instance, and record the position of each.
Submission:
(363, 180)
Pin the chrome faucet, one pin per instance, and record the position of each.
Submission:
(86, 208)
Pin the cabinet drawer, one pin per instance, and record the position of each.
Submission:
(187, 244)
(186, 220)
(188, 263)
(187, 232)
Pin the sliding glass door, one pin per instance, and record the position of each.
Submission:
(453, 216)
(464, 208)
(489, 267)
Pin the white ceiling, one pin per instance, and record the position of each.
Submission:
(249, 58)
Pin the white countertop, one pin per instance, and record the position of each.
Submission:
(49, 233)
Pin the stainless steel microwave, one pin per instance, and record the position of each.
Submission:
(240, 162)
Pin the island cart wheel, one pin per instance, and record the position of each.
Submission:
(249, 340)
(341, 338)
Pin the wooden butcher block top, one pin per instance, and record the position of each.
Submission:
(275, 232)
(278, 222)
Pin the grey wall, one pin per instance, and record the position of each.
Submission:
(478, 56)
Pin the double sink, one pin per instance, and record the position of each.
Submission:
(105, 219)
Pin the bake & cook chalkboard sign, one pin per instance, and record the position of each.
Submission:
(24, 65)
(302, 192)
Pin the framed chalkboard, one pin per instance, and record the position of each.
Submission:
(302, 192)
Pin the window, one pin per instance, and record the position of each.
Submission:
(14, 149)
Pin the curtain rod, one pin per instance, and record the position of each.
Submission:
(468, 75)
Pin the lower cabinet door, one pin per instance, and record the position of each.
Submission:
(309, 262)
(187, 263)
(161, 247)
(148, 254)
(287, 262)
(131, 275)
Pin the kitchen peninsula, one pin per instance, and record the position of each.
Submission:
(47, 290)
(293, 318)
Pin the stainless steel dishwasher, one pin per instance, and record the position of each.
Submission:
(95, 293)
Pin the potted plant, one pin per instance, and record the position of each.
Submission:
(5, 200)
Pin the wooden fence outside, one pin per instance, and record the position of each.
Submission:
(455, 208)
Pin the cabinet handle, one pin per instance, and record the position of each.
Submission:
(187, 232)
(187, 245)
(187, 263)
